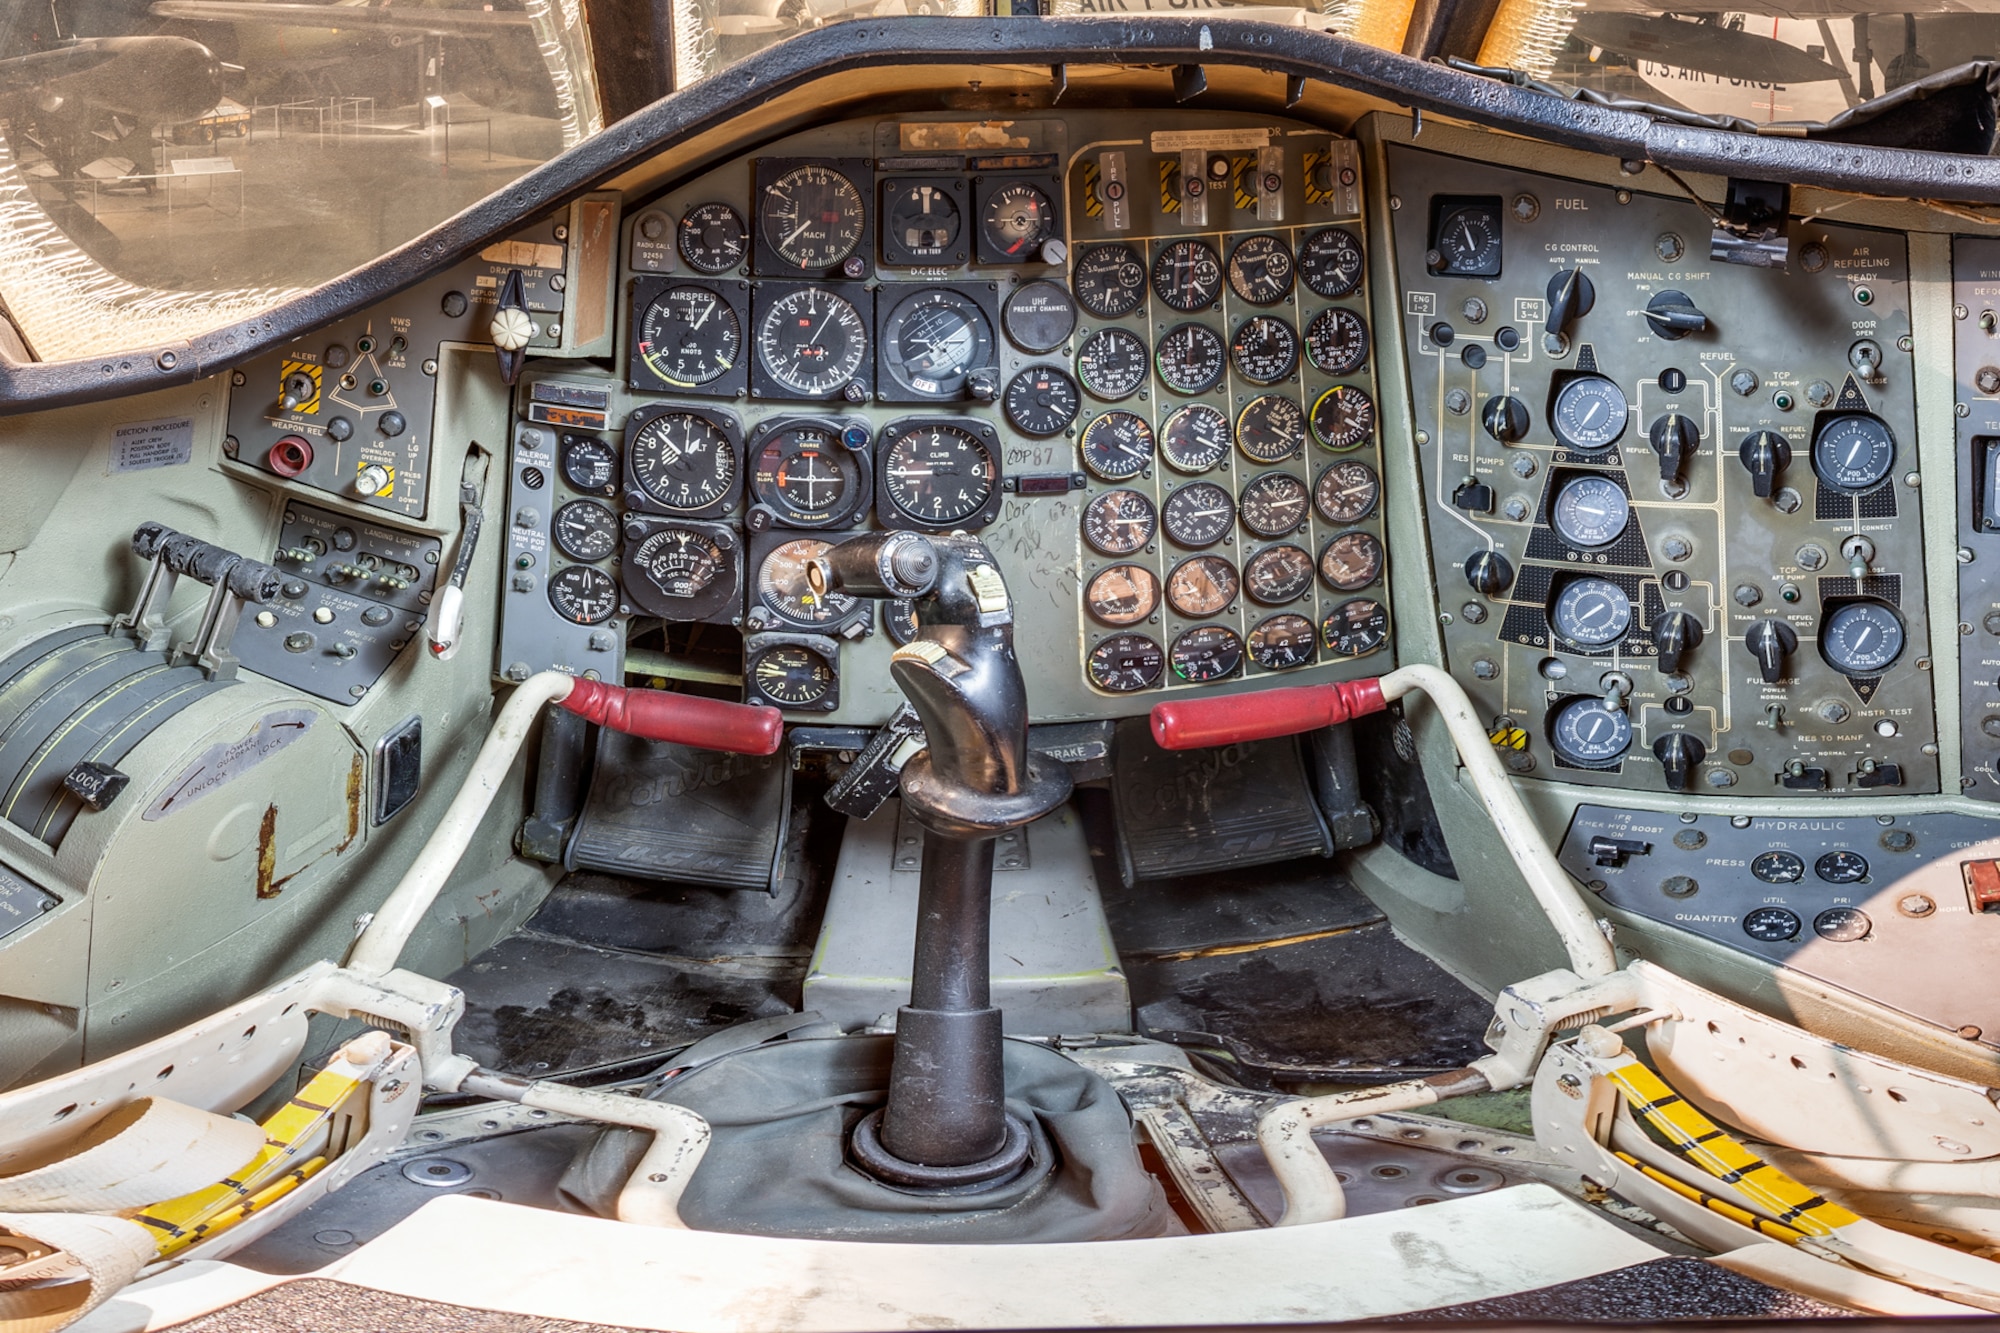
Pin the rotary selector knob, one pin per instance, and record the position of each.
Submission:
(1679, 754)
(1571, 296)
(1771, 642)
(1673, 316)
(1673, 438)
(1489, 572)
(1675, 635)
(1506, 418)
(1764, 455)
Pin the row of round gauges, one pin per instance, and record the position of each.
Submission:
(1192, 358)
(1188, 274)
(1203, 585)
(1123, 522)
(1128, 662)
(1269, 429)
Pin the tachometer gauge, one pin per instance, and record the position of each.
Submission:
(1270, 429)
(1195, 438)
(1592, 613)
(711, 238)
(589, 464)
(674, 572)
(1112, 364)
(1041, 401)
(585, 530)
(921, 222)
(1187, 276)
(1274, 504)
(1206, 653)
(1590, 511)
(784, 590)
(1351, 561)
(680, 462)
(1283, 642)
(1347, 491)
(805, 476)
(1278, 574)
(812, 216)
(1260, 269)
(1861, 638)
(1202, 585)
(1110, 280)
(1772, 925)
(1119, 522)
(1355, 628)
(1778, 867)
(1841, 867)
(1589, 733)
(1117, 445)
(1190, 359)
(1122, 595)
(1330, 263)
(1017, 218)
(791, 675)
(583, 595)
(1265, 350)
(1853, 452)
(688, 336)
(933, 339)
(1124, 663)
(938, 475)
(811, 343)
(1198, 515)
(1589, 413)
(1343, 417)
(1337, 341)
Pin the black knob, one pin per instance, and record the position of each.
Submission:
(1765, 454)
(1675, 635)
(1489, 572)
(1771, 642)
(1673, 316)
(1570, 296)
(1678, 754)
(1506, 418)
(1673, 438)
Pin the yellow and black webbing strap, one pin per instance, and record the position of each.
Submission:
(1715, 1204)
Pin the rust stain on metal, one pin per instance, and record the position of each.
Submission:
(354, 786)
(268, 886)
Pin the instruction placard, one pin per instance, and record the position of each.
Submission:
(138, 446)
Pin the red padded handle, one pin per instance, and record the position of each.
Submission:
(685, 719)
(1196, 724)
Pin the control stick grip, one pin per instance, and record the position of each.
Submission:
(683, 719)
(1195, 724)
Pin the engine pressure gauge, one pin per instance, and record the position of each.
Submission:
(1351, 561)
(1271, 429)
(1187, 276)
(1041, 401)
(1592, 612)
(681, 461)
(1588, 413)
(805, 476)
(1110, 280)
(1119, 522)
(1124, 663)
(1117, 445)
(1590, 511)
(1861, 638)
(589, 464)
(1190, 359)
(1853, 452)
(1274, 504)
(1330, 263)
(1277, 575)
(1202, 585)
(1337, 341)
(1343, 417)
(1198, 515)
(1772, 925)
(583, 595)
(711, 238)
(1589, 733)
(1346, 491)
(1355, 628)
(1265, 350)
(1283, 642)
(1112, 364)
(791, 675)
(785, 591)
(1195, 438)
(585, 530)
(689, 336)
(1122, 595)
(1260, 269)
(1206, 653)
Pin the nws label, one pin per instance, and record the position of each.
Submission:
(225, 761)
(138, 446)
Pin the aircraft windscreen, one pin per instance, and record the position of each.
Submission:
(170, 166)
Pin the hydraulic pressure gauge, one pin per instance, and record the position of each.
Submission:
(1853, 452)
(1283, 642)
(1112, 364)
(1110, 280)
(791, 675)
(1278, 574)
(1589, 733)
(1771, 925)
(805, 475)
(1041, 401)
(583, 595)
(1202, 585)
(711, 238)
(1126, 662)
(1355, 628)
(1778, 867)
(1271, 429)
(1590, 511)
(1330, 263)
(1122, 595)
(1260, 269)
(1187, 276)
(1119, 523)
(1206, 653)
(1592, 612)
(1274, 504)
(1343, 417)
(785, 591)
(589, 464)
(1346, 491)
(1117, 445)
(1351, 561)
(585, 530)
(1265, 350)
(933, 340)
(1841, 867)
(1190, 358)
(688, 336)
(1198, 515)
(1588, 413)
(938, 475)
(1337, 341)
(1195, 438)
(812, 216)
(811, 343)
(681, 461)
(1861, 638)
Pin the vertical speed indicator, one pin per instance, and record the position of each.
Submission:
(937, 475)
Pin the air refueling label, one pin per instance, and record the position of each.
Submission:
(138, 446)
(225, 761)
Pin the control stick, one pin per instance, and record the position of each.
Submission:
(946, 1126)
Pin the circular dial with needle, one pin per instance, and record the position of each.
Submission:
(1124, 663)
(1187, 276)
(1355, 628)
(588, 463)
(1017, 219)
(933, 340)
(1110, 280)
(1330, 263)
(1283, 642)
(1271, 429)
(1117, 445)
(791, 675)
(1112, 364)
(1190, 358)
(711, 238)
(938, 476)
(1202, 585)
(1589, 733)
(679, 561)
(1853, 452)
(682, 463)
(1337, 341)
(688, 336)
(1778, 867)
(1346, 491)
(811, 342)
(1351, 561)
(1589, 413)
(585, 530)
(1206, 653)
(1861, 638)
(1592, 612)
(1772, 925)
(1274, 504)
(1198, 515)
(1122, 595)
(1041, 401)
(1260, 269)
(922, 220)
(1119, 522)
(1841, 867)
(1343, 417)
(1278, 574)
(583, 595)
(1195, 438)
(812, 216)
(806, 476)
(1468, 242)
(1590, 511)
(784, 589)
(1265, 350)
